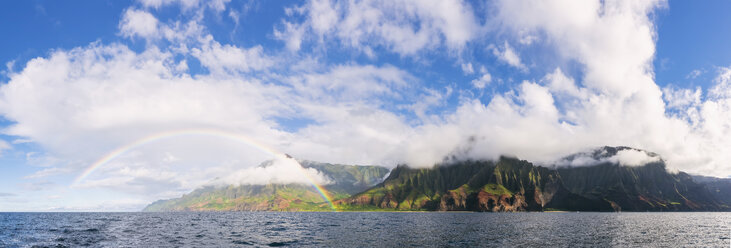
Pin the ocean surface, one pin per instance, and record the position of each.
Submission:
(364, 229)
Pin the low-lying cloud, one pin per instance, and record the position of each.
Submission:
(277, 171)
(625, 157)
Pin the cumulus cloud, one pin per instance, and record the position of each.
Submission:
(4, 146)
(216, 5)
(508, 55)
(403, 27)
(482, 81)
(467, 68)
(278, 171)
(354, 82)
(101, 97)
(680, 98)
(694, 74)
(633, 158)
(722, 89)
(138, 23)
(615, 102)
(220, 59)
(624, 156)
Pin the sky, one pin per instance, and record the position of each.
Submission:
(110, 105)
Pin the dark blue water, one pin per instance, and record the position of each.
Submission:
(352, 229)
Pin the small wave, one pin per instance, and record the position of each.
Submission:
(241, 242)
(279, 244)
(52, 246)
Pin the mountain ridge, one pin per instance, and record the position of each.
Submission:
(504, 185)
(347, 180)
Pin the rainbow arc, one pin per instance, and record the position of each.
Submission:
(119, 151)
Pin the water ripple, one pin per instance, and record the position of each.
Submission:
(349, 229)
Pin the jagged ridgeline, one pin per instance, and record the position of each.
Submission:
(649, 187)
(506, 185)
(720, 188)
(347, 180)
(511, 184)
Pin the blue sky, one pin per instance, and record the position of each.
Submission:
(358, 82)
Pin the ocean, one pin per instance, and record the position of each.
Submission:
(364, 229)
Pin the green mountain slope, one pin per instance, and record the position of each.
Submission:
(720, 188)
(638, 188)
(506, 185)
(347, 180)
(516, 185)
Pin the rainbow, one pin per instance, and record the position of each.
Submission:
(200, 132)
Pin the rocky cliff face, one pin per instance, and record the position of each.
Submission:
(720, 188)
(506, 185)
(649, 187)
(509, 185)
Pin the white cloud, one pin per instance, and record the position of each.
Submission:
(694, 74)
(357, 83)
(138, 23)
(680, 98)
(475, 131)
(507, 55)
(102, 97)
(614, 40)
(467, 68)
(218, 5)
(633, 158)
(429, 99)
(560, 84)
(625, 157)
(281, 170)
(404, 27)
(48, 172)
(615, 102)
(82, 103)
(21, 141)
(184, 4)
(482, 81)
(4, 146)
(527, 39)
(221, 59)
(722, 89)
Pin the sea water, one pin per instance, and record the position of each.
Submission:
(364, 229)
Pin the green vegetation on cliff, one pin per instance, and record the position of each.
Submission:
(508, 184)
(649, 187)
(516, 185)
(347, 180)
